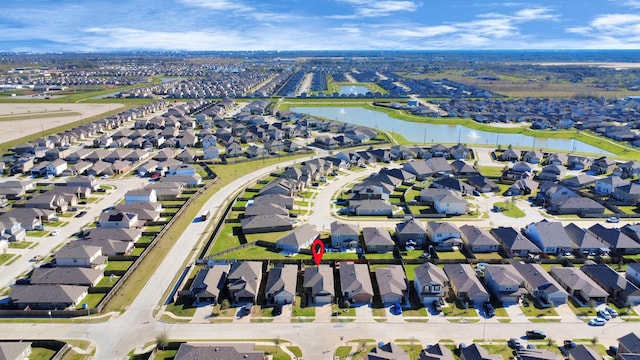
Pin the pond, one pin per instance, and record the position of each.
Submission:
(354, 90)
(435, 133)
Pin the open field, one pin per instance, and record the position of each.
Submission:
(28, 119)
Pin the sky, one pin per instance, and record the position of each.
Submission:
(232, 25)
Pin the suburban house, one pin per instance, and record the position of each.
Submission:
(583, 352)
(628, 345)
(371, 207)
(505, 283)
(513, 242)
(443, 234)
(122, 234)
(585, 241)
(16, 350)
(393, 286)
(47, 297)
(603, 165)
(629, 194)
(478, 240)
(445, 201)
(355, 283)
(77, 254)
(523, 187)
(387, 351)
(209, 284)
(66, 276)
(430, 282)
(579, 285)
(300, 238)
(243, 281)
(281, 284)
(231, 351)
(318, 285)
(265, 223)
(141, 195)
(477, 352)
(621, 291)
(344, 236)
(465, 284)
(616, 239)
(411, 232)
(549, 236)
(609, 184)
(119, 219)
(540, 284)
(377, 240)
(633, 273)
(436, 352)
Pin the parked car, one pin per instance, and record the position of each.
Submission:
(597, 322)
(568, 344)
(613, 350)
(437, 307)
(55, 232)
(604, 314)
(81, 214)
(396, 309)
(277, 310)
(536, 334)
(488, 309)
(613, 219)
(515, 344)
(611, 311)
(531, 346)
(23, 282)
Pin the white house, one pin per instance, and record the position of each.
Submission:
(143, 195)
(56, 167)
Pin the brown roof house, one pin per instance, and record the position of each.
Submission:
(393, 286)
(209, 284)
(212, 351)
(76, 254)
(47, 297)
(465, 284)
(243, 281)
(355, 283)
(281, 284)
(300, 238)
(318, 285)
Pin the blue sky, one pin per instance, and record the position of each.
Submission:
(112, 25)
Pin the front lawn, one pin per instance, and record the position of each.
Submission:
(510, 209)
(19, 245)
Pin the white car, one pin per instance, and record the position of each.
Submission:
(55, 233)
(613, 219)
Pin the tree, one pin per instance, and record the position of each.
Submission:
(225, 304)
(594, 341)
(162, 340)
(550, 342)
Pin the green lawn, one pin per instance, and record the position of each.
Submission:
(298, 310)
(181, 308)
(510, 209)
(5, 257)
(227, 238)
(534, 312)
(342, 352)
(274, 351)
(119, 265)
(258, 253)
(584, 311)
(39, 353)
(487, 256)
(20, 245)
(456, 254)
(91, 300)
(456, 309)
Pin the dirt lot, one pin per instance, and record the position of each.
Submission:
(19, 120)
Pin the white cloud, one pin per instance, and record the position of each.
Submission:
(219, 5)
(367, 8)
(635, 4)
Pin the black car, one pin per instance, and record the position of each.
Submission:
(489, 310)
(23, 282)
(515, 344)
(277, 310)
(436, 306)
(536, 334)
(81, 214)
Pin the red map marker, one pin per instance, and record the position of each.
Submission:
(317, 250)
